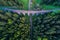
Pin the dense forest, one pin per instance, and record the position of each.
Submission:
(17, 27)
(14, 3)
(23, 4)
(51, 2)
(37, 26)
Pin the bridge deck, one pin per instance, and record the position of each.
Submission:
(30, 11)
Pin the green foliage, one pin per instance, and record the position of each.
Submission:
(49, 7)
(51, 2)
(17, 27)
(12, 3)
(45, 25)
(23, 4)
(39, 38)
